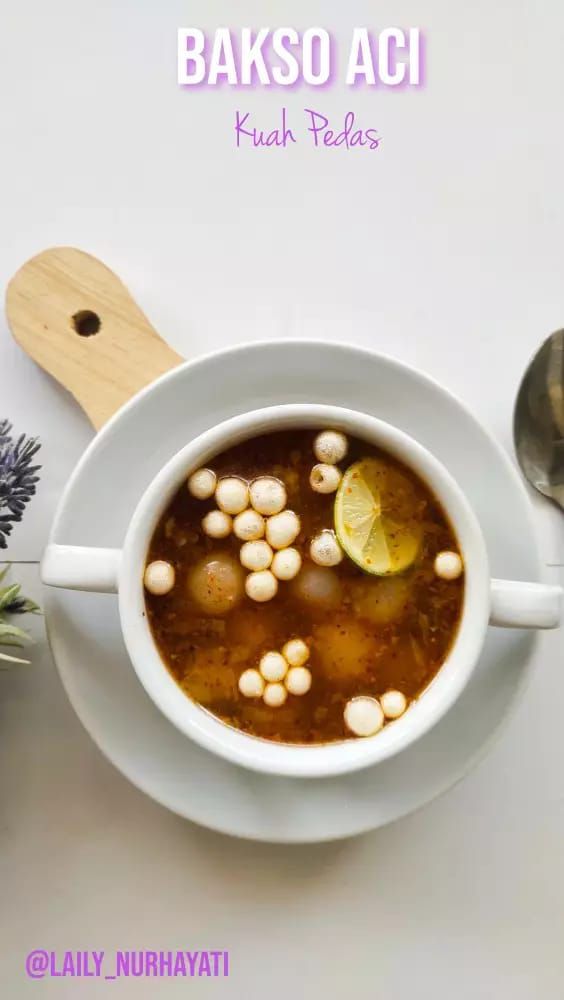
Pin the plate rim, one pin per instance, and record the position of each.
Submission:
(276, 344)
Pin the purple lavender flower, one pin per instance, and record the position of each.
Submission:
(17, 477)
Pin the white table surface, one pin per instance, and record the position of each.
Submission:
(445, 249)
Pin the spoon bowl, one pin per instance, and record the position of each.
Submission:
(538, 422)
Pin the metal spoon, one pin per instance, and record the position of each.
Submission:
(538, 420)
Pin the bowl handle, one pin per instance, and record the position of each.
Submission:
(77, 567)
(525, 605)
(513, 604)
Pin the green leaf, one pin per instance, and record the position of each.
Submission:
(12, 602)
(25, 606)
(4, 658)
(11, 635)
(9, 594)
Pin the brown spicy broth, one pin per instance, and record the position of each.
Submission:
(374, 633)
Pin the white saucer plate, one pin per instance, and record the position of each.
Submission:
(84, 628)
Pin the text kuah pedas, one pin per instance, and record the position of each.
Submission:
(318, 127)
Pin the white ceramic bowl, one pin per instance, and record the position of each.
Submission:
(505, 603)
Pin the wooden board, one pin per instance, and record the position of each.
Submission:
(77, 320)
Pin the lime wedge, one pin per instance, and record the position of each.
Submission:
(376, 517)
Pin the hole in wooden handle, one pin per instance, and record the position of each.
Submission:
(86, 323)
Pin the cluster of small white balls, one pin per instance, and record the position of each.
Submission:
(278, 675)
(253, 511)
(330, 447)
(365, 716)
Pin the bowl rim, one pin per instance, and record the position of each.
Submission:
(297, 760)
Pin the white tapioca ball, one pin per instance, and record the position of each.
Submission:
(268, 495)
(282, 529)
(298, 680)
(216, 584)
(261, 586)
(256, 555)
(325, 478)
(448, 565)
(286, 564)
(217, 524)
(249, 525)
(202, 483)
(394, 704)
(273, 667)
(364, 716)
(325, 550)
(295, 652)
(251, 684)
(232, 495)
(330, 447)
(159, 577)
(274, 695)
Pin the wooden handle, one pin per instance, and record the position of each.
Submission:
(77, 320)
